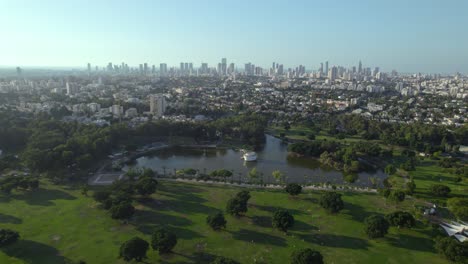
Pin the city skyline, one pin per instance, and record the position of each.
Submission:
(421, 36)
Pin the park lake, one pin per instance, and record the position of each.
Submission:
(272, 156)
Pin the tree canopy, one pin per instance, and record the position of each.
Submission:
(163, 240)
(134, 249)
(306, 256)
(376, 226)
(332, 202)
(282, 220)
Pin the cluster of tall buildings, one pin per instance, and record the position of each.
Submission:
(354, 73)
(224, 69)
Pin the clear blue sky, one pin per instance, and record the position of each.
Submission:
(407, 35)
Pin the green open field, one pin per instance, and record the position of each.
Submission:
(57, 225)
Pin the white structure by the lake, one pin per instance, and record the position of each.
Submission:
(250, 156)
(458, 230)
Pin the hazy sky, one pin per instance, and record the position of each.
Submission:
(407, 35)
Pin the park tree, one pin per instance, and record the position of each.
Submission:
(410, 186)
(223, 260)
(243, 196)
(133, 173)
(386, 183)
(459, 207)
(293, 189)
(123, 187)
(216, 221)
(8, 237)
(376, 226)
(163, 240)
(452, 249)
(397, 196)
(311, 136)
(440, 190)
(253, 175)
(278, 176)
(101, 196)
(123, 210)
(390, 169)
(401, 219)
(134, 249)
(282, 220)
(306, 256)
(332, 202)
(236, 206)
(147, 172)
(146, 186)
(84, 189)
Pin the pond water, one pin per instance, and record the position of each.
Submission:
(273, 156)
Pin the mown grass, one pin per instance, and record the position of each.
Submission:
(58, 224)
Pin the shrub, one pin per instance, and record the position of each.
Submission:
(293, 189)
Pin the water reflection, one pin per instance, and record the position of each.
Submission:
(273, 156)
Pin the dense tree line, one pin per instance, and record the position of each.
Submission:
(418, 136)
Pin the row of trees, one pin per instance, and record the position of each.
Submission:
(162, 240)
(24, 183)
(118, 198)
(377, 226)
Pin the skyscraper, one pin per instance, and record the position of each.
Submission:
(326, 67)
(89, 68)
(204, 68)
(157, 105)
(19, 71)
(360, 67)
(162, 69)
(223, 66)
(333, 73)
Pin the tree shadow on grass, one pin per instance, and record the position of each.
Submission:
(182, 205)
(258, 238)
(145, 217)
(262, 221)
(9, 219)
(197, 257)
(34, 252)
(356, 212)
(412, 242)
(303, 226)
(272, 209)
(314, 200)
(42, 197)
(329, 240)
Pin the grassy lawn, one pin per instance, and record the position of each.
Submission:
(58, 224)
